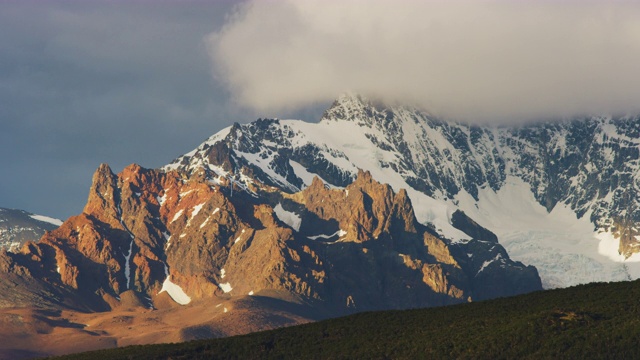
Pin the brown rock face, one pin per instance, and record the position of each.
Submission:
(366, 209)
(143, 231)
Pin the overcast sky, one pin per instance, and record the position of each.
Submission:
(87, 82)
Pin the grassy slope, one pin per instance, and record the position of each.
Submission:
(589, 321)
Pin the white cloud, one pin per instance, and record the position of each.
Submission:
(467, 60)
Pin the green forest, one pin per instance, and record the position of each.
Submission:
(600, 320)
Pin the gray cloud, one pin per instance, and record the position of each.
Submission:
(83, 83)
(476, 60)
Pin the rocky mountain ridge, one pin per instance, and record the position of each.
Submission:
(583, 171)
(19, 226)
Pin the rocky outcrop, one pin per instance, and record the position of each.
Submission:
(462, 222)
(365, 209)
(484, 260)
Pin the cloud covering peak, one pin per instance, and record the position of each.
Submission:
(480, 60)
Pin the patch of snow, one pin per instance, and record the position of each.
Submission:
(177, 215)
(226, 287)
(162, 199)
(47, 219)
(204, 223)
(196, 209)
(185, 193)
(175, 291)
(218, 170)
(270, 143)
(138, 194)
(251, 293)
(264, 164)
(486, 263)
(14, 247)
(194, 212)
(288, 217)
(216, 210)
(322, 236)
(173, 166)
(304, 174)
(222, 273)
(127, 265)
(225, 310)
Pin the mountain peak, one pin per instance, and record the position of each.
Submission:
(449, 165)
(370, 110)
(351, 98)
(348, 106)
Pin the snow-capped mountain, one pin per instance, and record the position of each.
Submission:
(562, 196)
(269, 206)
(273, 223)
(373, 207)
(19, 226)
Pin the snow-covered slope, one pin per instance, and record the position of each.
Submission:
(565, 249)
(562, 196)
(19, 226)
